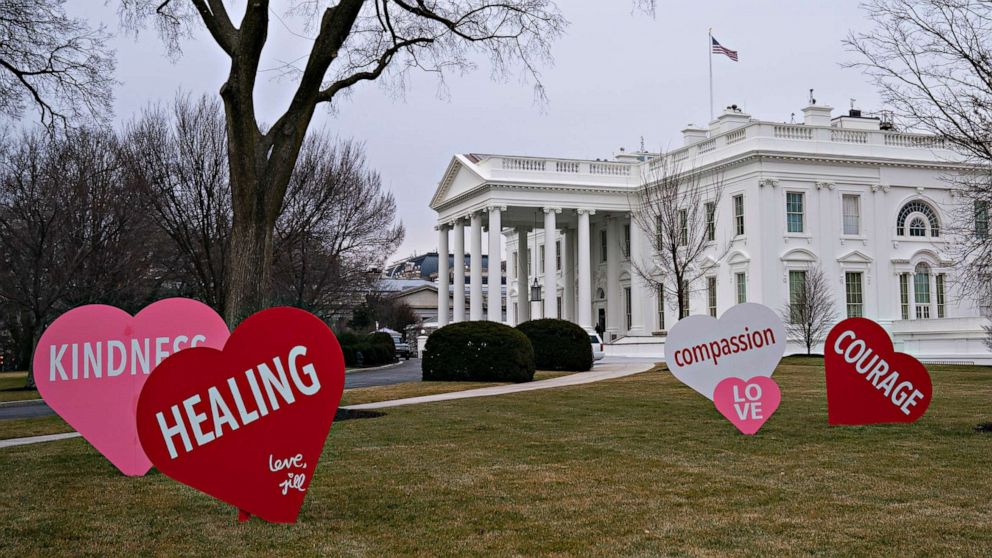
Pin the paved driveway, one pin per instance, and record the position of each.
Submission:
(405, 371)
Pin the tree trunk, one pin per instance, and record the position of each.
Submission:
(249, 268)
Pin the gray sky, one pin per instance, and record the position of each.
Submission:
(618, 76)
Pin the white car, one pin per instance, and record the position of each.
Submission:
(597, 346)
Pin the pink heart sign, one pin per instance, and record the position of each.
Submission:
(92, 362)
(747, 404)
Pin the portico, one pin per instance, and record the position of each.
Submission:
(562, 267)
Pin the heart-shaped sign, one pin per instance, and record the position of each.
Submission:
(748, 404)
(91, 363)
(247, 424)
(748, 339)
(867, 381)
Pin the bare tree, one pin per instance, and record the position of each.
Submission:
(678, 211)
(337, 225)
(71, 233)
(179, 158)
(337, 221)
(353, 41)
(57, 63)
(932, 63)
(811, 312)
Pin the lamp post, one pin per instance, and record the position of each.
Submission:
(535, 291)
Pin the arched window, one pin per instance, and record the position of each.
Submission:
(920, 216)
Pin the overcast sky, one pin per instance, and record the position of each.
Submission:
(617, 76)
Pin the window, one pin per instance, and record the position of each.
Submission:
(794, 211)
(661, 307)
(710, 221)
(940, 296)
(924, 214)
(917, 227)
(683, 227)
(855, 294)
(557, 255)
(797, 296)
(628, 304)
(685, 299)
(852, 213)
(981, 218)
(659, 239)
(711, 295)
(740, 279)
(904, 294)
(602, 245)
(560, 312)
(540, 262)
(626, 241)
(921, 287)
(739, 214)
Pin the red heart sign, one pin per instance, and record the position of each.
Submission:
(867, 381)
(247, 424)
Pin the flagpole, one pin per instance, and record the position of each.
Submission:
(709, 48)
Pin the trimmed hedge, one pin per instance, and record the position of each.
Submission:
(478, 351)
(375, 349)
(558, 344)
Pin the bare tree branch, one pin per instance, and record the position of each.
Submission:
(56, 63)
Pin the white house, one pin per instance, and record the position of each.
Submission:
(870, 206)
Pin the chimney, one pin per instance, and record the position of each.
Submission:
(692, 134)
(817, 115)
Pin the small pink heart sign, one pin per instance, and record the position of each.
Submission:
(92, 362)
(747, 403)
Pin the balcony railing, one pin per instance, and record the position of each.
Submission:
(625, 172)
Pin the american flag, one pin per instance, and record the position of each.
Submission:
(720, 49)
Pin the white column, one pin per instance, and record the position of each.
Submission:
(614, 297)
(458, 268)
(442, 276)
(568, 276)
(523, 281)
(550, 275)
(475, 271)
(511, 315)
(495, 295)
(585, 269)
(638, 293)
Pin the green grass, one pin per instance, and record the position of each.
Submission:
(640, 466)
(12, 387)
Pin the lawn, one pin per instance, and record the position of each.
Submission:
(12, 387)
(640, 466)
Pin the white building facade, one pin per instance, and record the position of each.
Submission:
(872, 208)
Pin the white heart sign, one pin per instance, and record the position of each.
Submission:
(747, 341)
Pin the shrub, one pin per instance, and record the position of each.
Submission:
(348, 338)
(375, 349)
(478, 351)
(558, 344)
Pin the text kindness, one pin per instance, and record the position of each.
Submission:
(111, 358)
(203, 417)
